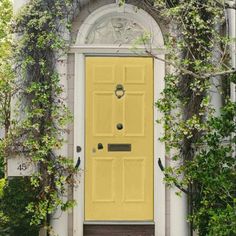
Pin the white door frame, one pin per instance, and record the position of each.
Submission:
(81, 51)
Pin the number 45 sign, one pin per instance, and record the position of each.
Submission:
(20, 166)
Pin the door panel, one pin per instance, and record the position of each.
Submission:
(133, 180)
(119, 178)
(134, 108)
(103, 107)
(103, 173)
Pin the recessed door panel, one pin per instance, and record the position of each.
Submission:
(134, 74)
(103, 172)
(102, 114)
(134, 180)
(134, 112)
(119, 139)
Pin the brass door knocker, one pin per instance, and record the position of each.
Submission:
(119, 92)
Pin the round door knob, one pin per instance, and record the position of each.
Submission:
(119, 126)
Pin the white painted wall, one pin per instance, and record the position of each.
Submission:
(178, 204)
(178, 208)
(178, 214)
(17, 4)
(59, 220)
(232, 33)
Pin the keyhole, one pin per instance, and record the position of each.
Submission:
(119, 126)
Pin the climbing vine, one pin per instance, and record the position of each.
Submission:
(40, 114)
(201, 159)
(6, 73)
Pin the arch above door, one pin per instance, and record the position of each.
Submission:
(127, 21)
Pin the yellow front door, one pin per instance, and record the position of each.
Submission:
(119, 139)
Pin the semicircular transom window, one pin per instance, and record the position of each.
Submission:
(115, 30)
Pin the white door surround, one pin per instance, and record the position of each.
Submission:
(81, 50)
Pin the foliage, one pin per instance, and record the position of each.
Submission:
(14, 194)
(2, 184)
(6, 73)
(200, 145)
(41, 25)
(15, 221)
(3, 218)
(41, 115)
(2, 161)
(214, 177)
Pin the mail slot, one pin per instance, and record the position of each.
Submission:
(119, 147)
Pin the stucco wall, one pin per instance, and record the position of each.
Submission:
(17, 4)
(70, 90)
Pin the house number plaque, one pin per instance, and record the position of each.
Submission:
(20, 166)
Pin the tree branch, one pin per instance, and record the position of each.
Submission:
(188, 72)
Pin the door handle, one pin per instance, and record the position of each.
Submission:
(78, 149)
(77, 163)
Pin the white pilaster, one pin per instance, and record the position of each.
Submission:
(79, 132)
(17, 4)
(159, 149)
(216, 98)
(232, 34)
(178, 209)
(178, 214)
(59, 221)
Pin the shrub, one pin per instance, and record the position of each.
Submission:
(15, 195)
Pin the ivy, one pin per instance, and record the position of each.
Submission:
(6, 73)
(214, 178)
(16, 195)
(41, 115)
(202, 143)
